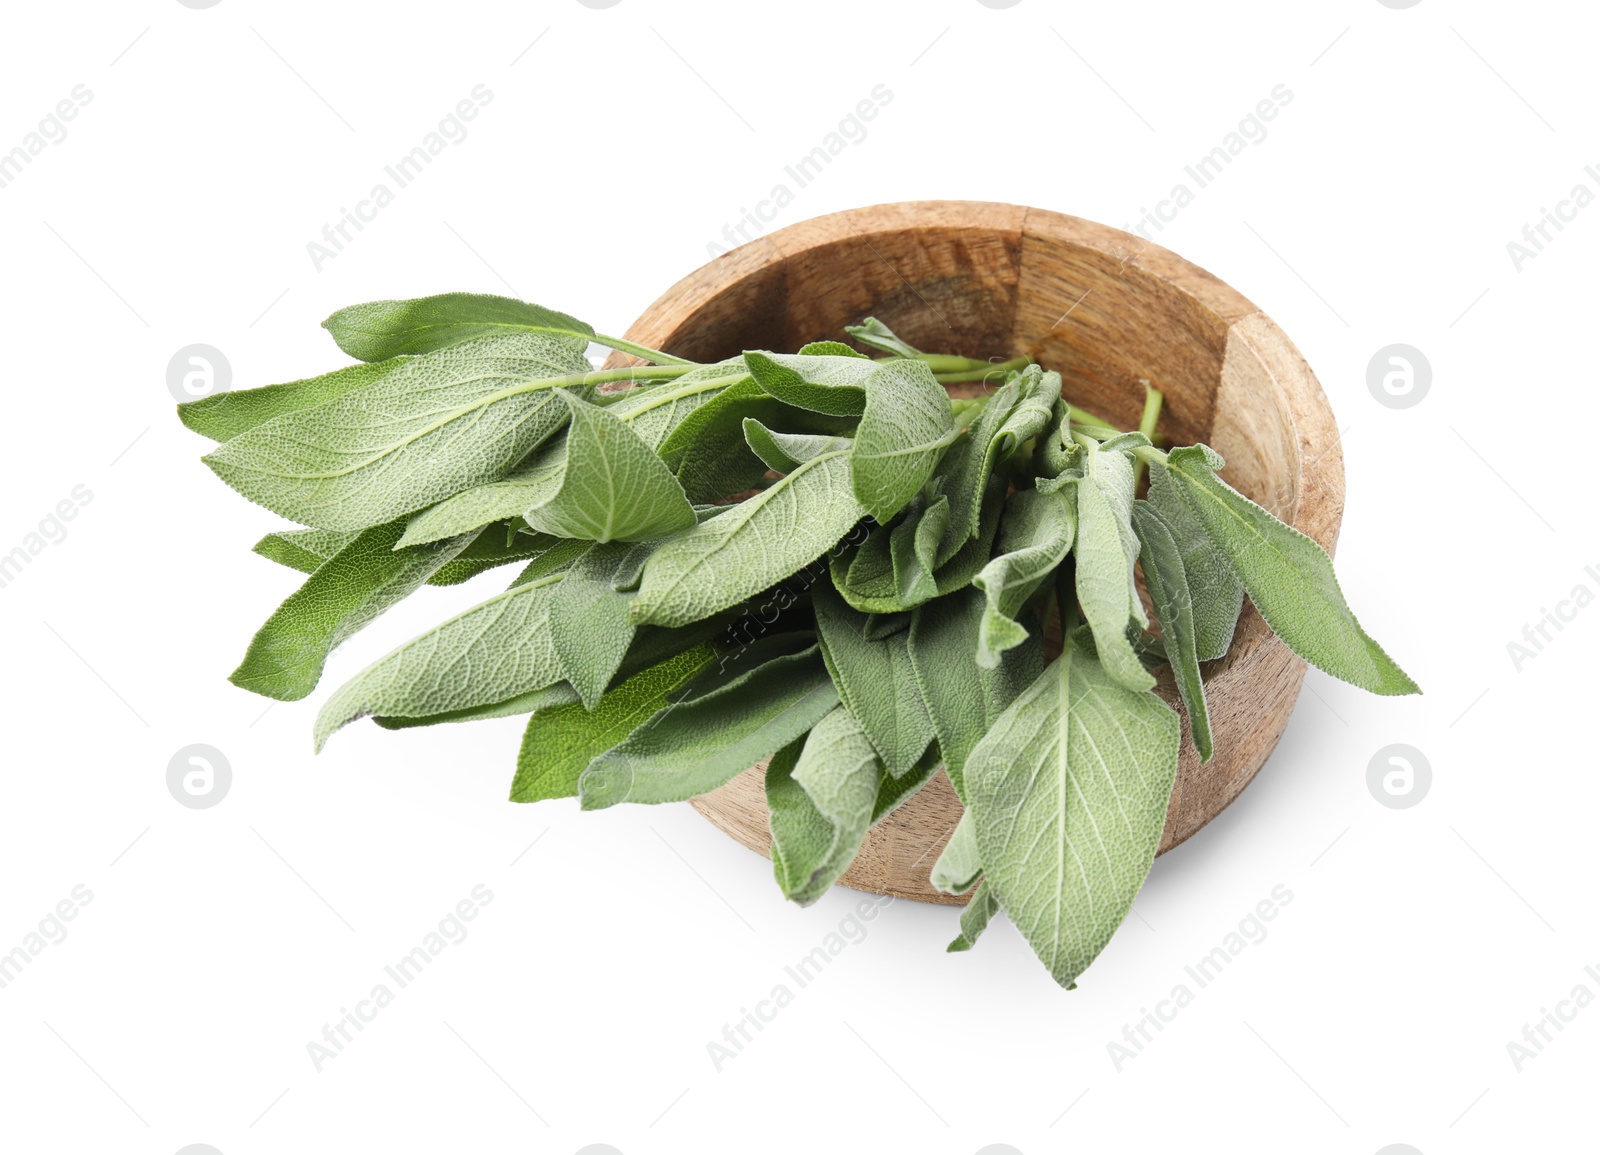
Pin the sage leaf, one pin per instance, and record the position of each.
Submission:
(496, 501)
(1288, 576)
(1169, 590)
(904, 430)
(914, 549)
(755, 544)
(651, 647)
(379, 329)
(821, 807)
(981, 907)
(440, 423)
(589, 623)
(490, 653)
(782, 452)
(874, 334)
(343, 594)
(1017, 412)
(561, 741)
(609, 485)
(225, 415)
(1069, 793)
(494, 546)
(1104, 565)
(866, 577)
(829, 349)
(958, 866)
(1035, 535)
(963, 698)
(656, 411)
(823, 384)
(1214, 589)
(875, 679)
(693, 747)
(894, 792)
(302, 549)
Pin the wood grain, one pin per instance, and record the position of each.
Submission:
(1107, 309)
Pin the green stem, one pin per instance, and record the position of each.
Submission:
(1147, 425)
(643, 351)
(633, 373)
(979, 370)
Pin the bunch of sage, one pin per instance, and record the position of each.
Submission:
(816, 558)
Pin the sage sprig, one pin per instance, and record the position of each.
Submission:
(816, 558)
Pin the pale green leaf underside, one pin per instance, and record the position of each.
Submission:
(817, 831)
(492, 652)
(756, 544)
(611, 485)
(441, 423)
(1105, 567)
(1069, 792)
(904, 430)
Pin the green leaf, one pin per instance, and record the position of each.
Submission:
(1105, 563)
(1288, 577)
(822, 384)
(829, 349)
(820, 806)
(440, 423)
(904, 430)
(302, 549)
(655, 411)
(981, 907)
(342, 595)
(610, 485)
(1035, 535)
(914, 548)
(588, 622)
(875, 679)
(755, 544)
(894, 792)
(561, 741)
(866, 576)
(1069, 792)
(708, 451)
(963, 698)
(692, 747)
(497, 501)
(958, 866)
(491, 653)
(1214, 588)
(225, 415)
(379, 329)
(496, 545)
(874, 334)
(782, 452)
(651, 647)
(1018, 410)
(1169, 590)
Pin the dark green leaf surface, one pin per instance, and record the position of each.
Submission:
(379, 329)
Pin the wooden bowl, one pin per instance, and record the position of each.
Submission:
(1105, 308)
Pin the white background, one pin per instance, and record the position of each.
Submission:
(219, 942)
